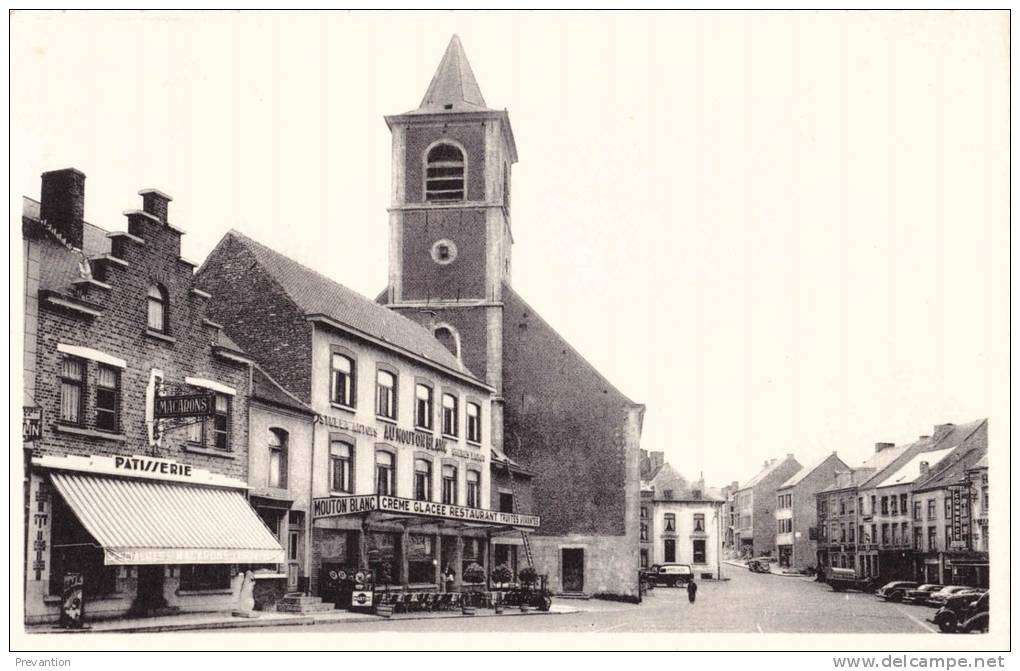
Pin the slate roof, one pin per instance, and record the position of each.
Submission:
(763, 473)
(809, 469)
(453, 87)
(947, 435)
(315, 294)
(953, 469)
(910, 470)
(265, 388)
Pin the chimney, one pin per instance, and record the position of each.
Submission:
(923, 437)
(925, 469)
(62, 203)
(883, 446)
(155, 202)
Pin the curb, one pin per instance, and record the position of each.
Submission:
(240, 623)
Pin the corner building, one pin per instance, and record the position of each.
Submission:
(552, 412)
(399, 474)
(150, 514)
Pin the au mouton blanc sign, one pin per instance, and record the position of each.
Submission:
(336, 506)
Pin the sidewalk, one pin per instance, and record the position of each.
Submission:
(742, 564)
(211, 621)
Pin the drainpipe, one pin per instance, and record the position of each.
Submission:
(311, 499)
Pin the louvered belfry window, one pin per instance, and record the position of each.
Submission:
(444, 174)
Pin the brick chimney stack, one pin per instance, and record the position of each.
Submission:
(62, 203)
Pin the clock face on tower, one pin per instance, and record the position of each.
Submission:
(444, 252)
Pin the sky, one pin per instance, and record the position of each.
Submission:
(781, 232)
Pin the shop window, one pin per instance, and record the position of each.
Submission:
(342, 380)
(386, 394)
(444, 174)
(74, 550)
(670, 522)
(474, 489)
(505, 554)
(698, 552)
(472, 553)
(421, 552)
(382, 557)
(423, 480)
(278, 458)
(450, 485)
(474, 422)
(384, 473)
(72, 390)
(450, 415)
(221, 422)
(669, 551)
(699, 522)
(107, 398)
(423, 406)
(158, 309)
(340, 466)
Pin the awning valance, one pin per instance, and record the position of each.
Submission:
(152, 522)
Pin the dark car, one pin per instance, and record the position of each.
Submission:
(921, 594)
(760, 565)
(964, 613)
(939, 598)
(671, 575)
(894, 591)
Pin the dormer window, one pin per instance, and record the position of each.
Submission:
(444, 174)
(157, 309)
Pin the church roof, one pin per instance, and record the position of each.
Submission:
(453, 87)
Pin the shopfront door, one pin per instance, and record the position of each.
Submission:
(150, 590)
(572, 567)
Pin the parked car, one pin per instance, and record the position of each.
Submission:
(760, 565)
(894, 591)
(921, 594)
(672, 575)
(939, 598)
(963, 612)
(840, 579)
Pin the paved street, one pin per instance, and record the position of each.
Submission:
(747, 603)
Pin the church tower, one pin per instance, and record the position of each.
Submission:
(450, 233)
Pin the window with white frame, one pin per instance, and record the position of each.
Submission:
(278, 458)
(342, 380)
(341, 455)
(450, 484)
(450, 415)
(474, 489)
(474, 422)
(72, 390)
(423, 409)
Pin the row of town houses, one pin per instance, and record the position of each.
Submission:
(187, 424)
(916, 511)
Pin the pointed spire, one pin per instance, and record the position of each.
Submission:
(453, 87)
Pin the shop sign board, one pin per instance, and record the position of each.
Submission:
(336, 506)
(184, 406)
(31, 424)
(346, 425)
(419, 439)
(957, 542)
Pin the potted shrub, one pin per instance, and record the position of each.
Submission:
(501, 575)
(528, 577)
(384, 576)
(474, 575)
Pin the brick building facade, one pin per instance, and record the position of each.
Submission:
(114, 322)
(450, 270)
(797, 513)
(755, 504)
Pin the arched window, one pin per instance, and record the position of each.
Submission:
(449, 339)
(444, 173)
(158, 308)
(423, 479)
(474, 484)
(384, 473)
(278, 458)
(450, 485)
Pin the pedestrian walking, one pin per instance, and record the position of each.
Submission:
(692, 591)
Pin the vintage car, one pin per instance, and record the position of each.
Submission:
(840, 579)
(921, 593)
(671, 575)
(894, 591)
(939, 598)
(963, 612)
(760, 565)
